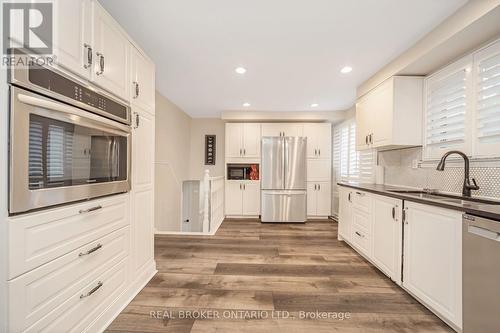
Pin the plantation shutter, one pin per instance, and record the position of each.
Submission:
(349, 164)
(446, 110)
(487, 116)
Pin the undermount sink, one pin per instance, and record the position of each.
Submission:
(444, 197)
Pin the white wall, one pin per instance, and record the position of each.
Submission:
(173, 143)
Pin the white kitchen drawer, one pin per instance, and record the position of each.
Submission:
(362, 220)
(319, 170)
(362, 201)
(35, 295)
(361, 239)
(38, 238)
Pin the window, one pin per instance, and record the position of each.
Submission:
(447, 109)
(462, 107)
(349, 164)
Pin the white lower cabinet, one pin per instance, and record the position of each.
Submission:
(43, 292)
(433, 259)
(387, 236)
(345, 213)
(422, 240)
(242, 198)
(318, 199)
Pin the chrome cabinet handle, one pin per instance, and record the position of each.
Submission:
(101, 63)
(315, 187)
(240, 187)
(366, 139)
(137, 120)
(349, 197)
(244, 151)
(360, 194)
(244, 187)
(315, 152)
(136, 89)
(393, 213)
(241, 151)
(92, 250)
(319, 152)
(88, 48)
(371, 138)
(93, 290)
(359, 234)
(93, 209)
(319, 187)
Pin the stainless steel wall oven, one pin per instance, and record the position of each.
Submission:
(68, 140)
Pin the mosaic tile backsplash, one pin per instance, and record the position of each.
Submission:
(398, 171)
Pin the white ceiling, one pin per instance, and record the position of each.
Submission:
(293, 49)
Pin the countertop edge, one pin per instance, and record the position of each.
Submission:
(495, 215)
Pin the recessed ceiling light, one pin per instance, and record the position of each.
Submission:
(240, 70)
(346, 69)
(246, 104)
(314, 105)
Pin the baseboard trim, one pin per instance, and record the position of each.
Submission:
(106, 318)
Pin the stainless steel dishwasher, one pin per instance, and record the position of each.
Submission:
(481, 275)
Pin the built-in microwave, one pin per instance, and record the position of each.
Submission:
(68, 141)
(243, 171)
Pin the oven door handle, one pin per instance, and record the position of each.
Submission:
(96, 121)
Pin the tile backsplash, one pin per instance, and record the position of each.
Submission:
(398, 171)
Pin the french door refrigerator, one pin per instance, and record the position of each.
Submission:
(283, 181)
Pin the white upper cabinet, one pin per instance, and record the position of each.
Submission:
(390, 116)
(282, 129)
(243, 140)
(73, 36)
(111, 47)
(319, 140)
(447, 108)
(142, 80)
(487, 116)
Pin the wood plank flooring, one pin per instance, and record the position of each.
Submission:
(281, 272)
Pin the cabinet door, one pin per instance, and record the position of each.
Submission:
(292, 129)
(251, 198)
(362, 123)
(234, 198)
(324, 140)
(387, 236)
(282, 129)
(142, 80)
(433, 258)
(311, 198)
(310, 131)
(381, 107)
(319, 170)
(272, 130)
(234, 140)
(111, 52)
(323, 199)
(251, 140)
(143, 148)
(345, 207)
(72, 36)
(142, 229)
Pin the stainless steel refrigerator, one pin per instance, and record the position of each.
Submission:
(283, 179)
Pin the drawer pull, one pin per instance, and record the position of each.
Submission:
(92, 250)
(93, 209)
(360, 194)
(359, 234)
(96, 288)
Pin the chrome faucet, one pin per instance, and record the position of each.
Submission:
(466, 190)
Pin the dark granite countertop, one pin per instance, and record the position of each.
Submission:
(489, 211)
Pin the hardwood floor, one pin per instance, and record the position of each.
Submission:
(281, 272)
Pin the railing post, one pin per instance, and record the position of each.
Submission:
(206, 196)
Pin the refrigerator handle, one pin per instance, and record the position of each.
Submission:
(285, 160)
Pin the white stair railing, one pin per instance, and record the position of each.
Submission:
(213, 202)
